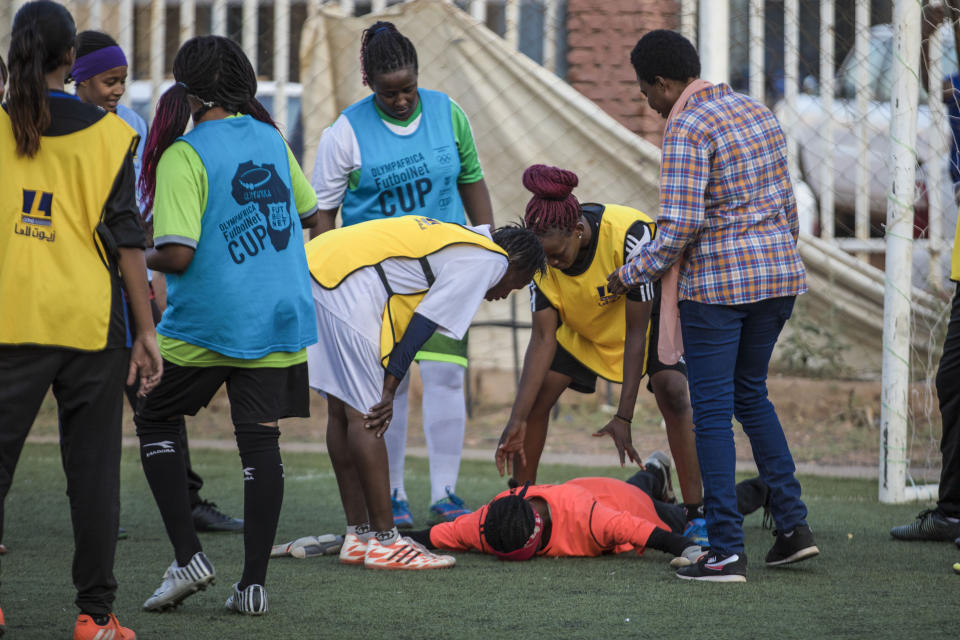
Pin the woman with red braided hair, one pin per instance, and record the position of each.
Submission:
(581, 330)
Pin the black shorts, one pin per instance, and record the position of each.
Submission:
(584, 380)
(264, 394)
(653, 360)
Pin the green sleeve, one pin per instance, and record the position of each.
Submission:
(303, 194)
(470, 169)
(181, 195)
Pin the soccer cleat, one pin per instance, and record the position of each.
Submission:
(793, 547)
(930, 525)
(447, 509)
(716, 567)
(122, 533)
(87, 629)
(208, 517)
(696, 530)
(353, 550)
(690, 555)
(3, 623)
(252, 601)
(181, 582)
(404, 554)
(308, 547)
(658, 463)
(402, 518)
(3, 549)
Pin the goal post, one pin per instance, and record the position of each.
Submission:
(897, 329)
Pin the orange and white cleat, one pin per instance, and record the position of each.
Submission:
(87, 629)
(404, 554)
(353, 551)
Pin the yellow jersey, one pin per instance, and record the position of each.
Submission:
(593, 321)
(55, 280)
(334, 255)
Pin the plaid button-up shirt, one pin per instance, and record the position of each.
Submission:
(727, 205)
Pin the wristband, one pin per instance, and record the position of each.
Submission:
(622, 419)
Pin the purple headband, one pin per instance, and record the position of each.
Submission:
(96, 62)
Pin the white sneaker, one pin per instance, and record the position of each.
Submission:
(181, 582)
(404, 554)
(353, 551)
(252, 601)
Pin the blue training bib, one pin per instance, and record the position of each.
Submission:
(405, 175)
(246, 293)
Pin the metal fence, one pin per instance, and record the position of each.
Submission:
(150, 31)
(826, 67)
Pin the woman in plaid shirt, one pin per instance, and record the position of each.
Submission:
(728, 220)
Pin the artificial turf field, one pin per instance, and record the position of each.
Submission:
(863, 584)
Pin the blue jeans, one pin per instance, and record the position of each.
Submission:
(728, 349)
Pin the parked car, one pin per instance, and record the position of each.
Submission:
(810, 120)
(140, 92)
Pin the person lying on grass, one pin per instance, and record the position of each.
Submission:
(583, 517)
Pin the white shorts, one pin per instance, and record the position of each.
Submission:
(344, 363)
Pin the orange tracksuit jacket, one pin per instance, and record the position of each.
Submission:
(590, 517)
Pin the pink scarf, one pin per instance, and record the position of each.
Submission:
(670, 345)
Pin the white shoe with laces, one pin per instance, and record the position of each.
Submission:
(252, 601)
(181, 582)
(404, 554)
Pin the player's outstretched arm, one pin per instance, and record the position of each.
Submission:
(536, 363)
(634, 351)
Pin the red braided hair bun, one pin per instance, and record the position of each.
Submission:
(553, 205)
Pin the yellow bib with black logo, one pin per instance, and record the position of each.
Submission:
(55, 283)
(593, 321)
(334, 255)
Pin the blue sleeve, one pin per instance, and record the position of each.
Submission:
(418, 332)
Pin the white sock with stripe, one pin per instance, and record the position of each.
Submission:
(395, 438)
(444, 421)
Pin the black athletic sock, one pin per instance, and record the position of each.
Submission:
(164, 466)
(672, 543)
(693, 510)
(99, 618)
(262, 497)
(422, 536)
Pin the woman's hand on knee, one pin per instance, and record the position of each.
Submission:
(378, 417)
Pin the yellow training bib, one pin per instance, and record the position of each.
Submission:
(55, 283)
(593, 321)
(334, 255)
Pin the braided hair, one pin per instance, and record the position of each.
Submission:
(90, 41)
(216, 71)
(42, 38)
(553, 205)
(509, 523)
(383, 49)
(523, 248)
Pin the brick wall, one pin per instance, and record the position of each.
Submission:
(601, 34)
